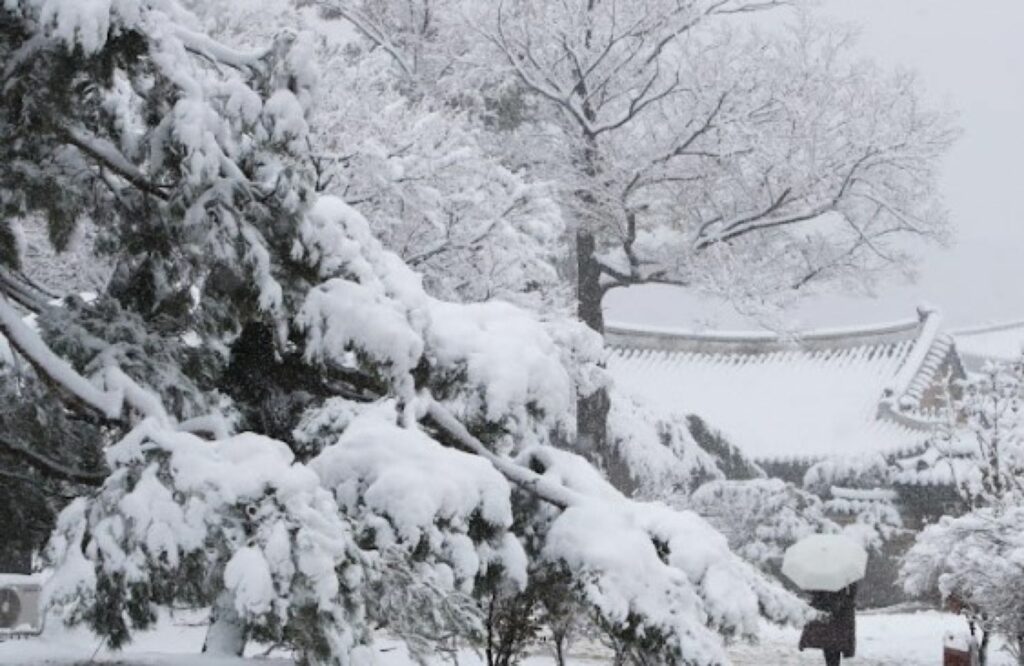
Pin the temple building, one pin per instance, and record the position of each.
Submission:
(788, 401)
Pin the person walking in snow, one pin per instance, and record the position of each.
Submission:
(836, 633)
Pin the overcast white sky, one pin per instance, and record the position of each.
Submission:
(970, 56)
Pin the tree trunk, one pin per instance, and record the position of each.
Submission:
(226, 635)
(558, 638)
(592, 440)
(592, 410)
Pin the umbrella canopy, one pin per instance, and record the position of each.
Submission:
(825, 562)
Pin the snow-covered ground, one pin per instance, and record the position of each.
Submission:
(884, 639)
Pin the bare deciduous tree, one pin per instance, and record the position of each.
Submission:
(696, 154)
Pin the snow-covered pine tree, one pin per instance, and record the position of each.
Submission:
(232, 273)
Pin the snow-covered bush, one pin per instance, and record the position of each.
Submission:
(761, 517)
(733, 463)
(976, 563)
(989, 434)
(871, 471)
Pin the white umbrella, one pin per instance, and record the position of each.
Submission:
(826, 562)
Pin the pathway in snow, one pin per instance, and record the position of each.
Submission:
(885, 639)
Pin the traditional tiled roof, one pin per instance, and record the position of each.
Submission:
(843, 392)
(994, 342)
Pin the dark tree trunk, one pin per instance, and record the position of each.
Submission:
(592, 411)
(558, 638)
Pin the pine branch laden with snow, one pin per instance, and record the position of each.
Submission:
(495, 366)
(182, 518)
(407, 491)
(667, 584)
(661, 456)
(167, 124)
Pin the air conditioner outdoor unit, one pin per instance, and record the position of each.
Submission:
(21, 612)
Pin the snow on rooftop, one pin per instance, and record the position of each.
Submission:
(778, 398)
(997, 342)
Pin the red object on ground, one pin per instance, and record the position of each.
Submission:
(959, 651)
(951, 657)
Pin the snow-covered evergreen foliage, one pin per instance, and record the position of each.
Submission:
(762, 517)
(182, 518)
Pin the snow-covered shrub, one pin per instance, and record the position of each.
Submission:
(761, 517)
(989, 436)
(868, 516)
(976, 563)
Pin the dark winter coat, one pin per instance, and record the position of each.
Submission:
(837, 631)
